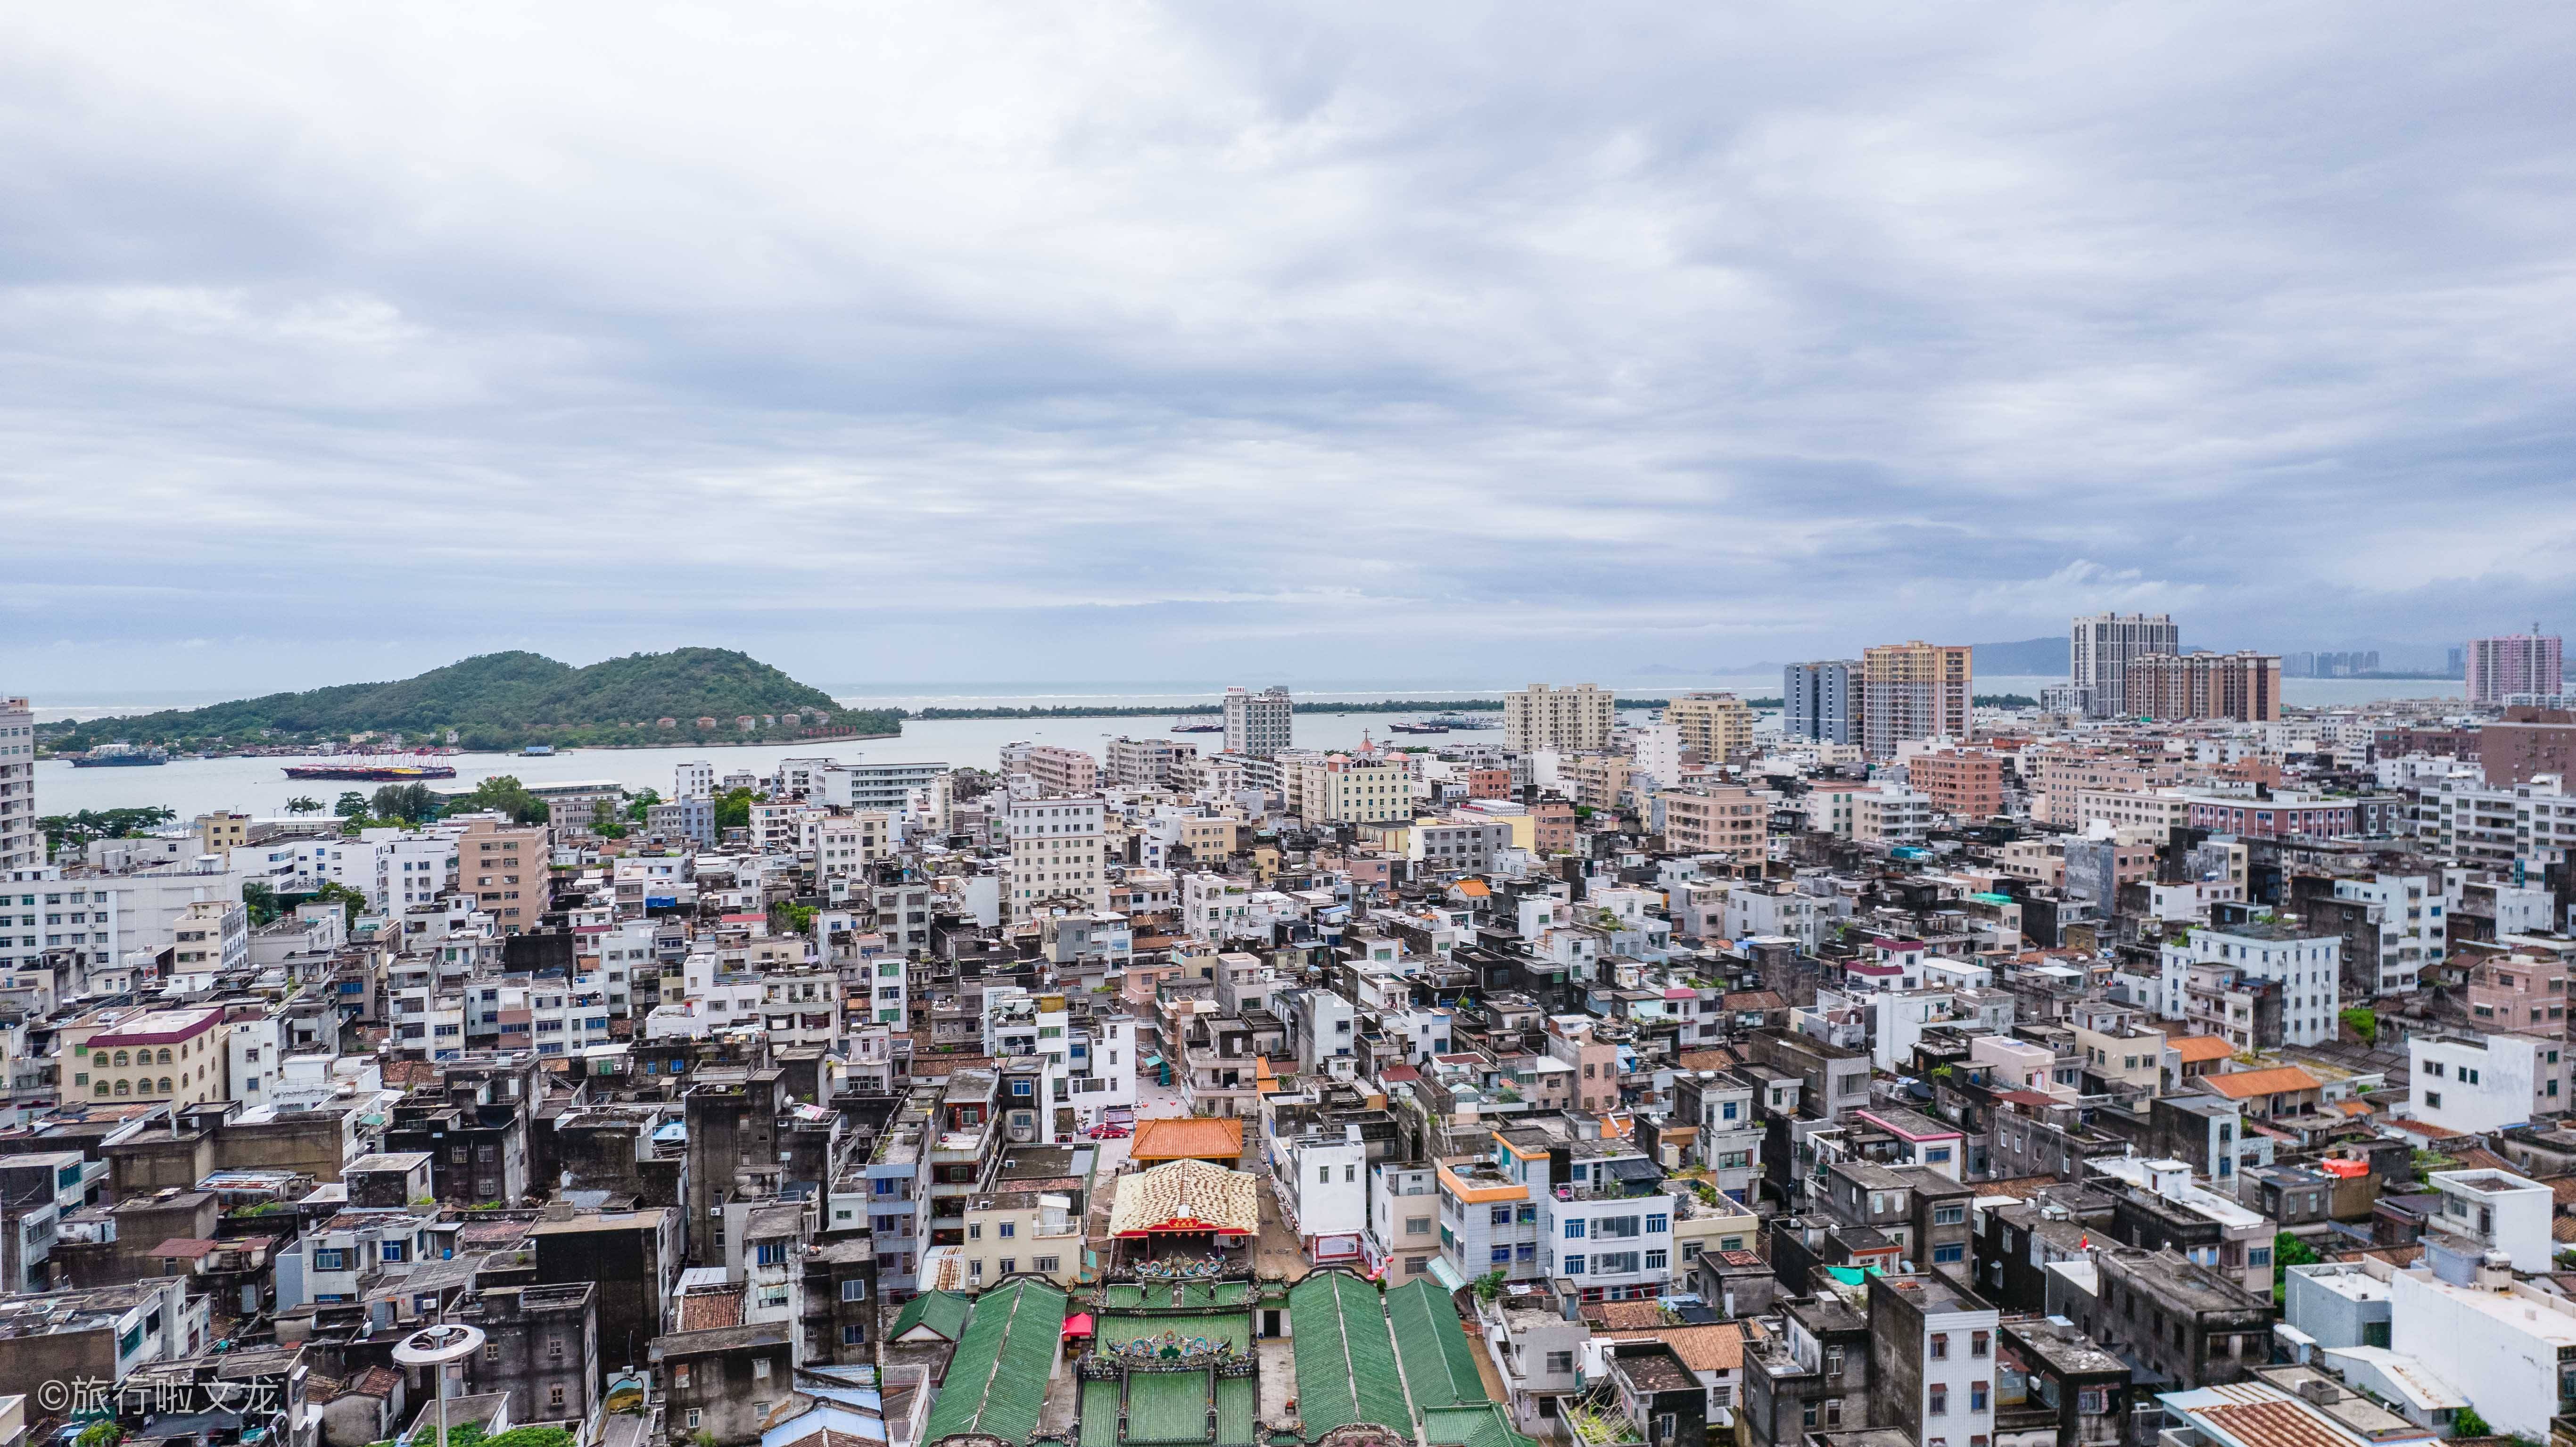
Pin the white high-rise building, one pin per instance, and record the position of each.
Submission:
(22, 844)
(1258, 725)
(695, 779)
(2099, 649)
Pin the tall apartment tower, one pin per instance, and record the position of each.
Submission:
(2511, 664)
(1821, 701)
(21, 845)
(2241, 686)
(2099, 649)
(1575, 720)
(1258, 725)
(1914, 690)
(1715, 726)
(695, 779)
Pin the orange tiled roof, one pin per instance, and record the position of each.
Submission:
(1471, 889)
(1188, 1137)
(2244, 1084)
(2196, 1048)
(1717, 1348)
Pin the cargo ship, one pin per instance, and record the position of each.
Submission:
(395, 770)
(118, 756)
(1428, 726)
(1186, 725)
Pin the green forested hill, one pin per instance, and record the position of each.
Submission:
(506, 700)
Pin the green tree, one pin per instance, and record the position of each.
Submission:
(2464, 1423)
(408, 803)
(72, 832)
(641, 805)
(351, 901)
(604, 821)
(352, 805)
(262, 903)
(303, 804)
(503, 792)
(99, 1434)
(2288, 1251)
(733, 809)
(2364, 1023)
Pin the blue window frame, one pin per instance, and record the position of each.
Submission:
(1574, 1229)
(1574, 1266)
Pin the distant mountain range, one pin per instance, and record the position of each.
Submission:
(508, 700)
(2029, 658)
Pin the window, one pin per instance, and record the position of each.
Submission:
(1500, 1256)
(1940, 1404)
(1574, 1266)
(1574, 1228)
(1976, 1396)
(1940, 1346)
(1952, 1252)
(2433, 1100)
(1980, 1343)
(391, 1251)
(1657, 1225)
(1954, 1214)
(854, 1289)
(330, 1260)
(1560, 1363)
(1418, 1226)
(1615, 1227)
(1007, 1229)
(760, 1369)
(1047, 1265)
(853, 1334)
(769, 1253)
(1614, 1263)
(693, 1418)
(1009, 1264)
(1655, 1260)
(1501, 1216)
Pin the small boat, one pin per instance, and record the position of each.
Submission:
(1200, 724)
(537, 751)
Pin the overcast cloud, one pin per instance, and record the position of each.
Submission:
(1204, 342)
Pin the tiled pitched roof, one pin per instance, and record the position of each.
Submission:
(2196, 1048)
(1345, 1359)
(998, 1378)
(1439, 1365)
(1200, 1137)
(1186, 1190)
(2245, 1084)
(1718, 1348)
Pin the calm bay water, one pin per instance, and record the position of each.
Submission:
(260, 786)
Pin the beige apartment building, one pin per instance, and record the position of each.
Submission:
(2241, 686)
(1914, 690)
(1715, 726)
(172, 1057)
(1721, 820)
(1348, 789)
(504, 867)
(1572, 720)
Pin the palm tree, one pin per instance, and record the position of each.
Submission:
(303, 804)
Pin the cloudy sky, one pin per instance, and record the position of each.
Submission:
(1130, 342)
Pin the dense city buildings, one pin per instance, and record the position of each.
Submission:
(1892, 1071)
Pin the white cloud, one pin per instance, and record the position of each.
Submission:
(1283, 336)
